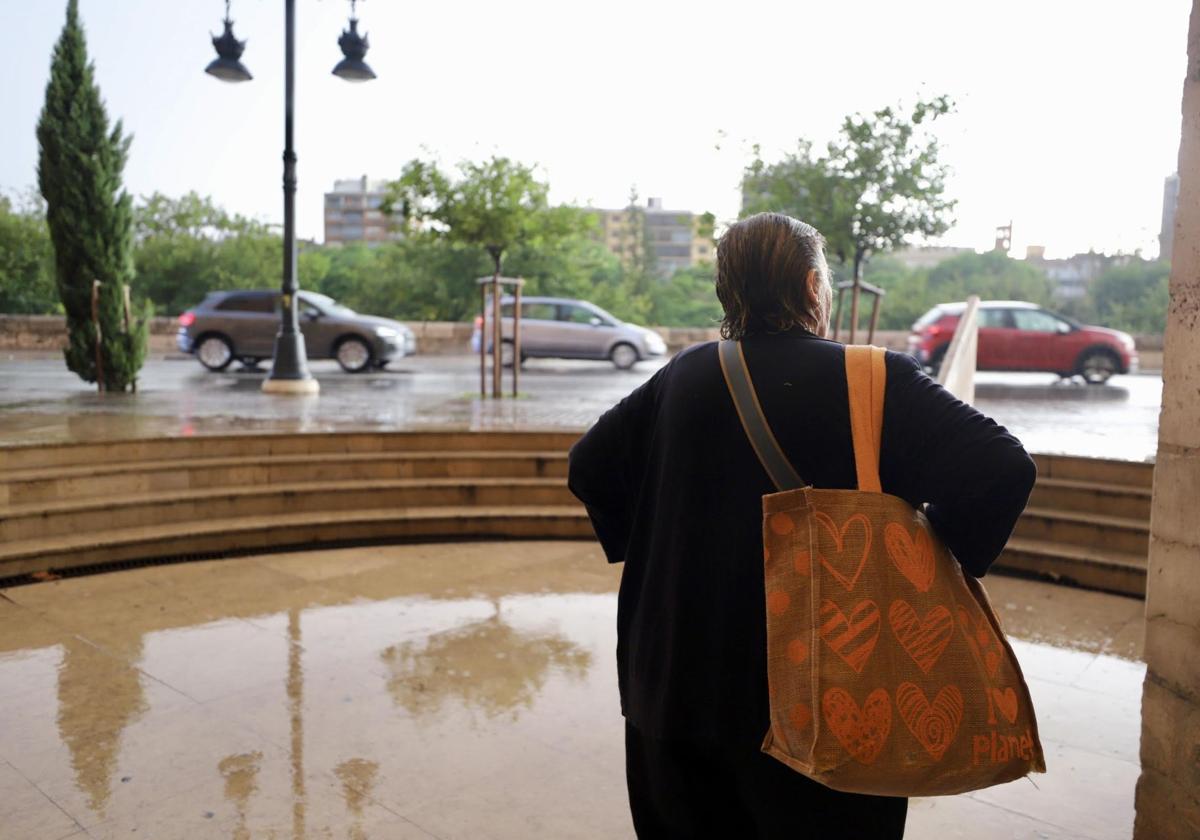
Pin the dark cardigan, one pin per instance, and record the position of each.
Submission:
(674, 491)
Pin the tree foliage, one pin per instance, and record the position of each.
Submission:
(1133, 297)
(89, 216)
(496, 205)
(187, 247)
(26, 261)
(878, 183)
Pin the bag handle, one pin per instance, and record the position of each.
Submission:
(737, 378)
(866, 376)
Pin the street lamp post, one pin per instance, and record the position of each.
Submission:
(289, 366)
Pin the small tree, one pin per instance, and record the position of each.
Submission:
(878, 184)
(496, 205)
(90, 217)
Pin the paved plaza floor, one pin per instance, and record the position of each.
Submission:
(447, 691)
(42, 401)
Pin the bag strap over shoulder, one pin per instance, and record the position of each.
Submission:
(866, 376)
(745, 399)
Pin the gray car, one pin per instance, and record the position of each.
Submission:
(564, 328)
(242, 325)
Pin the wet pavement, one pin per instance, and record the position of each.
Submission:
(41, 401)
(449, 691)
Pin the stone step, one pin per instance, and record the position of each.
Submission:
(1096, 470)
(94, 515)
(1090, 497)
(1085, 529)
(34, 456)
(292, 531)
(50, 484)
(1095, 568)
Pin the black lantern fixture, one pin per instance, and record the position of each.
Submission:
(227, 66)
(352, 68)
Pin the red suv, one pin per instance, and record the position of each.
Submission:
(1015, 335)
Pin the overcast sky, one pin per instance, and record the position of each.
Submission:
(1068, 110)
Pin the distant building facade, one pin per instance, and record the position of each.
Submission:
(1073, 276)
(1166, 236)
(926, 257)
(353, 214)
(671, 239)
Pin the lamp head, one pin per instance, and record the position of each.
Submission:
(227, 66)
(352, 68)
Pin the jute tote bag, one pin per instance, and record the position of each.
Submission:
(888, 672)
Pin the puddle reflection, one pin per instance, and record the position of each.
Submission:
(338, 713)
(488, 666)
(95, 705)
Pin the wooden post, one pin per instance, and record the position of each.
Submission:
(837, 314)
(874, 320)
(96, 327)
(125, 300)
(854, 295)
(497, 334)
(516, 335)
(483, 340)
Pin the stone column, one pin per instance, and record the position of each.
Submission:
(1168, 792)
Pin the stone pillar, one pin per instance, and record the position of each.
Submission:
(1168, 792)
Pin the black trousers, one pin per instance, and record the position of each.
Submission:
(689, 789)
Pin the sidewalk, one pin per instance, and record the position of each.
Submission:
(445, 691)
(40, 401)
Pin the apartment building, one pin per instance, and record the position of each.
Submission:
(672, 239)
(353, 214)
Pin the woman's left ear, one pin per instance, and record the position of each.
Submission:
(813, 284)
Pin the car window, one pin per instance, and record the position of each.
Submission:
(538, 311)
(994, 318)
(1035, 320)
(576, 314)
(247, 303)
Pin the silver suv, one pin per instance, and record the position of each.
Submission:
(562, 328)
(242, 325)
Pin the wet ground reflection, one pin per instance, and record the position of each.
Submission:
(487, 666)
(444, 691)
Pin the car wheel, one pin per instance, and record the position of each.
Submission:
(214, 352)
(1097, 366)
(506, 354)
(624, 356)
(935, 362)
(353, 354)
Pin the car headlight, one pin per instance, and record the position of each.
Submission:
(1128, 341)
(654, 343)
(386, 332)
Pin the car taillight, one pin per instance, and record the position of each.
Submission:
(187, 319)
(478, 321)
(933, 331)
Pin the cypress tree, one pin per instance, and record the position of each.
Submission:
(90, 216)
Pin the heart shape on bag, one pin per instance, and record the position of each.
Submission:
(852, 638)
(933, 724)
(800, 716)
(862, 731)
(912, 555)
(844, 558)
(1006, 702)
(982, 641)
(923, 639)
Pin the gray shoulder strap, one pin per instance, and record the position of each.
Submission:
(737, 378)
